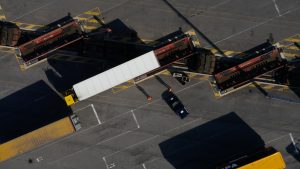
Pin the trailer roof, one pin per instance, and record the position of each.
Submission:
(115, 76)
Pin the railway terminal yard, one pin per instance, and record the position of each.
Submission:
(120, 128)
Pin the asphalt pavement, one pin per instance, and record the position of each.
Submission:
(124, 130)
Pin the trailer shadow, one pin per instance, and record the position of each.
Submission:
(201, 34)
(29, 109)
(215, 142)
(95, 54)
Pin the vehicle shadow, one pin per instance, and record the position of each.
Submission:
(291, 150)
(30, 108)
(213, 143)
(94, 54)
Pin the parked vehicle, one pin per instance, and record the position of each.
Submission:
(175, 104)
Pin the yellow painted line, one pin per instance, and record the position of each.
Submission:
(291, 47)
(2, 17)
(267, 87)
(92, 21)
(203, 78)
(81, 18)
(214, 51)
(120, 88)
(30, 26)
(27, 26)
(92, 13)
(89, 27)
(229, 52)
(167, 73)
(292, 40)
(289, 55)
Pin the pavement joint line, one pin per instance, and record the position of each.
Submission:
(255, 26)
(82, 108)
(135, 119)
(153, 137)
(96, 114)
(92, 127)
(86, 148)
(34, 10)
(276, 139)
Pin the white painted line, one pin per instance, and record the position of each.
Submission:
(82, 108)
(294, 144)
(276, 139)
(94, 110)
(120, 115)
(276, 7)
(144, 166)
(105, 162)
(138, 126)
(219, 4)
(96, 114)
(108, 166)
(39, 159)
(86, 148)
(153, 137)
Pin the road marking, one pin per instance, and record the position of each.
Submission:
(144, 166)
(276, 139)
(294, 143)
(92, 127)
(108, 166)
(34, 10)
(153, 137)
(90, 23)
(96, 114)
(138, 126)
(39, 159)
(254, 26)
(86, 148)
(276, 7)
(94, 110)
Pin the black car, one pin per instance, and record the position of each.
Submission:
(175, 104)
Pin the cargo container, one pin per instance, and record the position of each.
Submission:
(266, 59)
(40, 43)
(39, 137)
(140, 67)
(268, 158)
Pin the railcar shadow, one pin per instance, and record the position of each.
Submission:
(28, 109)
(222, 139)
(195, 28)
(95, 54)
